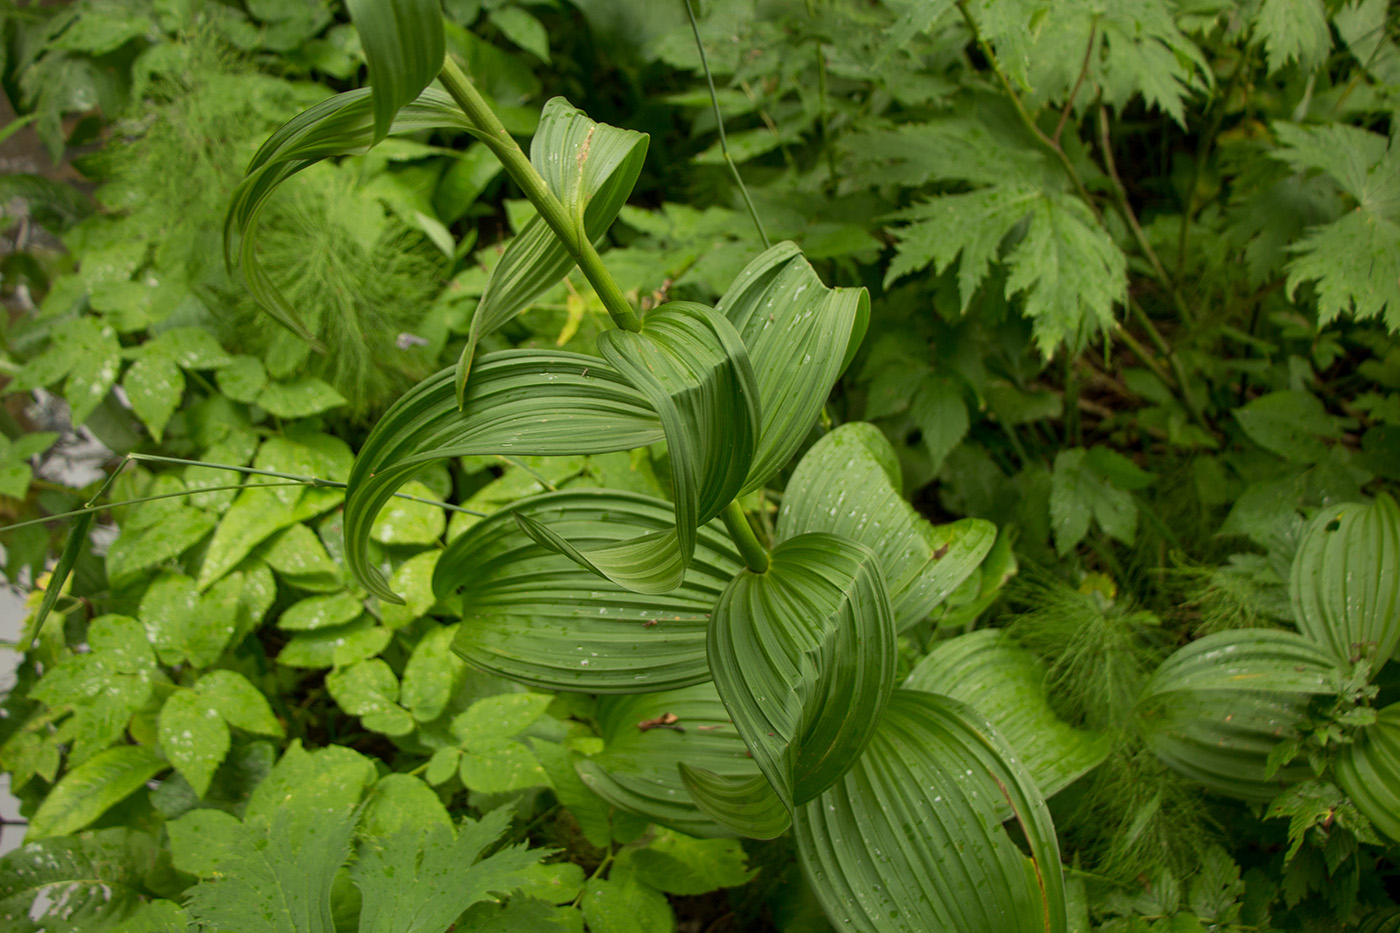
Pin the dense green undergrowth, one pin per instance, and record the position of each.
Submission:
(1134, 295)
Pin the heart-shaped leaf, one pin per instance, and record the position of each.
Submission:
(1217, 708)
(803, 657)
(522, 402)
(404, 46)
(1344, 581)
(690, 365)
(1369, 771)
(341, 125)
(591, 168)
(990, 672)
(800, 336)
(911, 838)
(646, 735)
(849, 484)
(538, 617)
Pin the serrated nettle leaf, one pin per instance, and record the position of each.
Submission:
(911, 837)
(345, 124)
(591, 168)
(1216, 709)
(519, 402)
(1293, 30)
(848, 484)
(255, 516)
(803, 657)
(185, 627)
(405, 522)
(690, 364)
(1065, 266)
(94, 787)
(300, 398)
(341, 645)
(1343, 582)
(637, 769)
(424, 879)
(800, 335)
(538, 617)
(1004, 682)
(193, 737)
(1368, 769)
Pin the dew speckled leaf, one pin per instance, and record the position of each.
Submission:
(911, 838)
(1004, 682)
(1345, 581)
(800, 335)
(94, 787)
(848, 484)
(803, 656)
(536, 616)
(637, 769)
(1216, 708)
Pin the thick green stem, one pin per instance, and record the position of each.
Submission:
(523, 173)
(755, 555)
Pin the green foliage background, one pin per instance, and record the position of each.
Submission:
(1135, 278)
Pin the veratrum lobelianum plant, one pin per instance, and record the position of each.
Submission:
(782, 661)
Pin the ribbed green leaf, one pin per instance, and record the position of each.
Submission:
(340, 125)
(849, 484)
(804, 657)
(404, 46)
(993, 674)
(637, 768)
(538, 617)
(1369, 771)
(910, 839)
(800, 336)
(690, 365)
(521, 403)
(1345, 583)
(744, 805)
(1216, 708)
(592, 168)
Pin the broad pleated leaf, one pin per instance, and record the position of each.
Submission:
(538, 617)
(521, 403)
(341, 125)
(592, 168)
(1369, 771)
(803, 657)
(690, 365)
(1216, 708)
(404, 47)
(744, 805)
(849, 484)
(1004, 682)
(637, 768)
(800, 336)
(1345, 583)
(911, 838)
